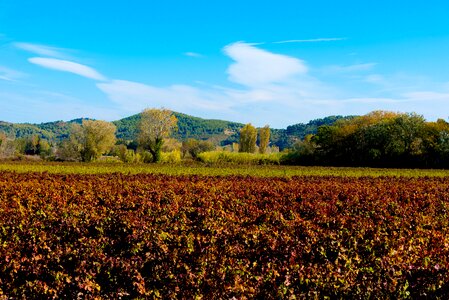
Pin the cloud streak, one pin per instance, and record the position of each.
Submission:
(8, 74)
(135, 96)
(42, 50)
(193, 54)
(317, 40)
(67, 66)
(351, 68)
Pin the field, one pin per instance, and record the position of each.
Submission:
(212, 170)
(164, 231)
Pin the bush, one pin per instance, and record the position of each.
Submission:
(171, 157)
(218, 157)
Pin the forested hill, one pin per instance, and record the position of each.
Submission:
(52, 131)
(218, 131)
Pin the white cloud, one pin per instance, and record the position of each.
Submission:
(10, 74)
(274, 89)
(311, 40)
(256, 67)
(193, 54)
(67, 66)
(41, 49)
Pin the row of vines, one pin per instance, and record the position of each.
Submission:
(159, 236)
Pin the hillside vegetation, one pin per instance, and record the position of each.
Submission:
(219, 132)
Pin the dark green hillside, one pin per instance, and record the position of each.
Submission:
(23, 130)
(221, 132)
(52, 131)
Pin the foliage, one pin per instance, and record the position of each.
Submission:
(156, 236)
(248, 137)
(69, 150)
(126, 155)
(219, 132)
(239, 158)
(171, 144)
(205, 169)
(33, 145)
(92, 138)
(194, 147)
(154, 126)
(7, 147)
(50, 131)
(222, 132)
(171, 157)
(286, 138)
(379, 139)
(264, 139)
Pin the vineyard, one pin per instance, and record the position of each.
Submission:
(217, 237)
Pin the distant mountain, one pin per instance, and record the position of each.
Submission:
(218, 131)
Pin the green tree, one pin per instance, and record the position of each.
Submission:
(154, 126)
(264, 138)
(194, 147)
(248, 137)
(89, 140)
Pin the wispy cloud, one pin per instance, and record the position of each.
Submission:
(350, 68)
(272, 88)
(41, 49)
(42, 106)
(135, 96)
(10, 74)
(255, 67)
(317, 40)
(193, 54)
(271, 83)
(67, 66)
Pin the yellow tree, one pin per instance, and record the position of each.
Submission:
(92, 138)
(248, 137)
(154, 126)
(264, 138)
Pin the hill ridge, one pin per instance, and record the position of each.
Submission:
(220, 132)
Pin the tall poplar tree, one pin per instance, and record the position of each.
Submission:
(248, 138)
(264, 138)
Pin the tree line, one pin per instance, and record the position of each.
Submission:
(89, 140)
(378, 139)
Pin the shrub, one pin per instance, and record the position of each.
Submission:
(171, 157)
(219, 157)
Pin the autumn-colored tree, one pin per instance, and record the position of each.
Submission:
(2, 138)
(7, 146)
(154, 126)
(248, 137)
(90, 140)
(264, 138)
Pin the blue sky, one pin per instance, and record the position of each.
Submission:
(264, 62)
